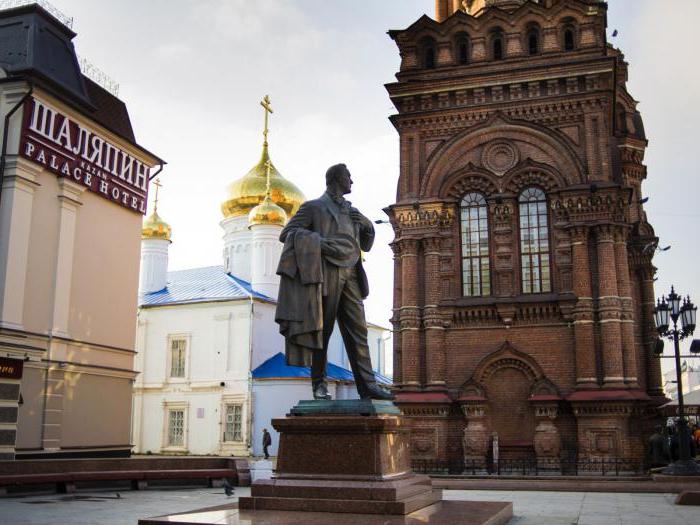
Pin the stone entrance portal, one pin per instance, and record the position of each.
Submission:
(509, 395)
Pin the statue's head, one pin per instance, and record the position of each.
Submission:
(338, 179)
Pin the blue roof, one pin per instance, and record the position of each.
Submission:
(198, 285)
(276, 367)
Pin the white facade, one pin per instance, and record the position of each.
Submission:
(690, 377)
(195, 360)
(215, 373)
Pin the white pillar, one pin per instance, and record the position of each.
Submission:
(18, 186)
(69, 202)
(266, 249)
(154, 265)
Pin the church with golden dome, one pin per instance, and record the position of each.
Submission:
(210, 356)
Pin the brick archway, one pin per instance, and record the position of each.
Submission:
(508, 377)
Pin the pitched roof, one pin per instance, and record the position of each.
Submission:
(277, 368)
(201, 285)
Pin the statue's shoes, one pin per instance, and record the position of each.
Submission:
(321, 392)
(376, 392)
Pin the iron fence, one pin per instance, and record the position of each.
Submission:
(531, 467)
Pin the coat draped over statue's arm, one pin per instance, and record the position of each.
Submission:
(299, 304)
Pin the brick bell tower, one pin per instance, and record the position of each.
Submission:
(523, 292)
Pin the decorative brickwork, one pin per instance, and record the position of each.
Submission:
(566, 370)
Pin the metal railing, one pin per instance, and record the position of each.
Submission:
(531, 467)
(98, 76)
(46, 6)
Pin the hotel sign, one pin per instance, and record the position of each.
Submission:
(71, 150)
(11, 368)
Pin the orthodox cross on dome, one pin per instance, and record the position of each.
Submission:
(265, 103)
(157, 184)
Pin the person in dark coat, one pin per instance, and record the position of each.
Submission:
(266, 442)
(339, 233)
(658, 452)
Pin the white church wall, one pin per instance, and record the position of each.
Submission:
(274, 399)
(267, 340)
(216, 372)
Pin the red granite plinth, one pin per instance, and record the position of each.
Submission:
(444, 513)
(344, 464)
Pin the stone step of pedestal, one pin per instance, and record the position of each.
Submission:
(400, 489)
(401, 507)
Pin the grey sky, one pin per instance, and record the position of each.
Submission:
(193, 71)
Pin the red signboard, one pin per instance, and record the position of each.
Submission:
(71, 150)
(11, 368)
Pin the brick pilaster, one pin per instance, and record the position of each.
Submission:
(409, 315)
(395, 318)
(586, 376)
(609, 308)
(434, 326)
(629, 350)
(649, 335)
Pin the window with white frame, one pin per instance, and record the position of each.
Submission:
(476, 276)
(176, 428)
(534, 241)
(178, 356)
(233, 423)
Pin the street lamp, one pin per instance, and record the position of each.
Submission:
(671, 306)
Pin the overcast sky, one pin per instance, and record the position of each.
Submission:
(192, 73)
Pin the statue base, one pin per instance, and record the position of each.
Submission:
(343, 456)
(344, 462)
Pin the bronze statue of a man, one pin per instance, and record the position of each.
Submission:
(322, 280)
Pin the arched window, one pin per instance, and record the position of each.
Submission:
(569, 40)
(534, 241)
(533, 40)
(428, 53)
(476, 276)
(462, 48)
(498, 48)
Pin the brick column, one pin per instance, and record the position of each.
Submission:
(409, 315)
(584, 341)
(395, 318)
(649, 335)
(629, 349)
(434, 325)
(609, 308)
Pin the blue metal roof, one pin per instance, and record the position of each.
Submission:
(276, 367)
(199, 285)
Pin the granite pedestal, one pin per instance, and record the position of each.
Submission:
(343, 456)
(343, 462)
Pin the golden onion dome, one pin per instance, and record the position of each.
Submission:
(248, 192)
(155, 228)
(267, 212)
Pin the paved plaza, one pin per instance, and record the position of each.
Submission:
(530, 508)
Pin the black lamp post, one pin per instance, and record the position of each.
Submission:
(671, 306)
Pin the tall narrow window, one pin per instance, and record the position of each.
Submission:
(569, 42)
(462, 48)
(176, 428)
(233, 430)
(498, 48)
(178, 355)
(534, 241)
(428, 52)
(533, 42)
(476, 278)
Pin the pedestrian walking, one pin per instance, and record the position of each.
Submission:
(266, 442)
